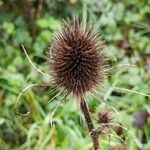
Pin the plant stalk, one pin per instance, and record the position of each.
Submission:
(87, 115)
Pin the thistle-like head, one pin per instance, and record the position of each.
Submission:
(77, 59)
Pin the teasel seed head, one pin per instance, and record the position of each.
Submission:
(77, 61)
(104, 119)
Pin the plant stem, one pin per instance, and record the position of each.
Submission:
(87, 115)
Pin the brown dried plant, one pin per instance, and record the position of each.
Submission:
(78, 65)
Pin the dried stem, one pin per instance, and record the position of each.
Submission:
(87, 115)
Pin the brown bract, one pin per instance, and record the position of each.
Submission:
(77, 61)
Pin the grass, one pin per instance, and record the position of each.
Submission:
(27, 123)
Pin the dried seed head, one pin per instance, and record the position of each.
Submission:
(77, 60)
(104, 119)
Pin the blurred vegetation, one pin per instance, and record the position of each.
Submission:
(124, 26)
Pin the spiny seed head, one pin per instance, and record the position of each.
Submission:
(104, 117)
(76, 59)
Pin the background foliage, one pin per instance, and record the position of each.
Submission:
(26, 124)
